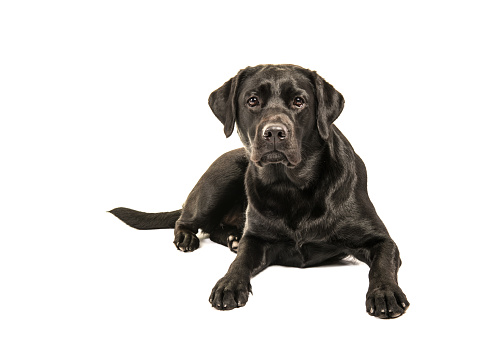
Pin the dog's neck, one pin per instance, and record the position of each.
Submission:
(323, 180)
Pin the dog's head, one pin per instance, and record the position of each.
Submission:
(278, 109)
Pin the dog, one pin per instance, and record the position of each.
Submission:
(295, 195)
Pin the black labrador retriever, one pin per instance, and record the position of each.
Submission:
(295, 195)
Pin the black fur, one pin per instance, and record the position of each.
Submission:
(142, 220)
(295, 195)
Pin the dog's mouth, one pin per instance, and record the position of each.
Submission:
(274, 157)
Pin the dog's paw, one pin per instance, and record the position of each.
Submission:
(186, 241)
(230, 292)
(233, 243)
(386, 301)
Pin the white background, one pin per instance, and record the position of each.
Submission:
(104, 104)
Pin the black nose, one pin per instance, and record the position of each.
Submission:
(275, 132)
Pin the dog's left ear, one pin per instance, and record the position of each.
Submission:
(223, 103)
(330, 105)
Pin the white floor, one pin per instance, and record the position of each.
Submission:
(101, 289)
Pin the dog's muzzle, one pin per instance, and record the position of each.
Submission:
(275, 143)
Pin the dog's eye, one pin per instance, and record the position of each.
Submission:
(253, 101)
(298, 102)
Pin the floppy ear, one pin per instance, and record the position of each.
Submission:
(330, 105)
(223, 103)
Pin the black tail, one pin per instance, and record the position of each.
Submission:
(142, 220)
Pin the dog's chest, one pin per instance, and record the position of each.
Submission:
(306, 241)
(302, 220)
(300, 230)
(308, 232)
(309, 247)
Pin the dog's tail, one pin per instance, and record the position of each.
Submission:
(142, 220)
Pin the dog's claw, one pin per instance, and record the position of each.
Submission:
(386, 301)
(230, 292)
(186, 241)
(233, 243)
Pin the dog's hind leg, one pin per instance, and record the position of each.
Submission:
(218, 192)
(227, 236)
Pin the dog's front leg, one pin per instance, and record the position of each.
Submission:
(233, 289)
(384, 298)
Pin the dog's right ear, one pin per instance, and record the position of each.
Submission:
(223, 103)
